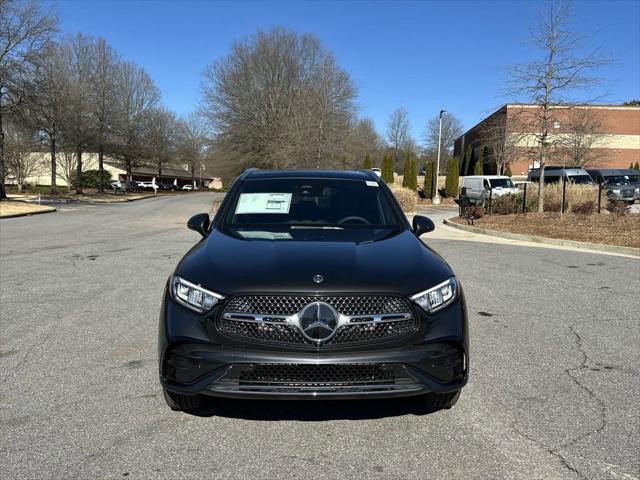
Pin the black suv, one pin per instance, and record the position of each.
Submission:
(312, 285)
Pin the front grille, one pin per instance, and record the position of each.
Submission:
(288, 305)
(316, 375)
(273, 310)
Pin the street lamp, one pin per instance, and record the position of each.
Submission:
(436, 197)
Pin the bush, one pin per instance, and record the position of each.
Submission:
(506, 204)
(91, 179)
(387, 170)
(429, 180)
(507, 171)
(406, 198)
(583, 208)
(410, 179)
(367, 164)
(453, 177)
(479, 166)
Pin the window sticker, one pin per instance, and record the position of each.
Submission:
(265, 235)
(372, 184)
(263, 203)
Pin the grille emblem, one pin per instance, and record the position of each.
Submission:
(318, 278)
(318, 321)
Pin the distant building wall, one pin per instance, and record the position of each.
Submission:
(616, 147)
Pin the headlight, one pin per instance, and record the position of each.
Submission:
(637, 190)
(193, 296)
(437, 297)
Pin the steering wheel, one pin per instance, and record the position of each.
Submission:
(354, 217)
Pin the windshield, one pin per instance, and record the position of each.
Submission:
(501, 183)
(580, 179)
(617, 180)
(310, 203)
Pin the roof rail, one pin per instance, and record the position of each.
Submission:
(369, 172)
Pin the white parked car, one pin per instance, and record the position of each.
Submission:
(148, 186)
(478, 188)
(187, 187)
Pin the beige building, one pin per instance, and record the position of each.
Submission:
(117, 169)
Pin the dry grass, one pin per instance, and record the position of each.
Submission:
(606, 229)
(8, 208)
(406, 198)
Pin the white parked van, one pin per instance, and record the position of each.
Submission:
(478, 188)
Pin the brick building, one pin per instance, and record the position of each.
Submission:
(594, 135)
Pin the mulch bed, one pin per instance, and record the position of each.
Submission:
(608, 229)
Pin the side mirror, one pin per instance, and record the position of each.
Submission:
(422, 225)
(199, 223)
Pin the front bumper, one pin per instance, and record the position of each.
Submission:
(194, 359)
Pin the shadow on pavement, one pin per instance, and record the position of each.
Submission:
(313, 410)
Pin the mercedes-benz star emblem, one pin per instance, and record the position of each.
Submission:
(318, 321)
(318, 278)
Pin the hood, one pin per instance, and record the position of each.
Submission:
(396, 262)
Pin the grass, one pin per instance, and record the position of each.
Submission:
(607, 229)
(9, 209)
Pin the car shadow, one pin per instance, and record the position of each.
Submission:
(312, 410)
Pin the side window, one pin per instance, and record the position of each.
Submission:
(486, 185)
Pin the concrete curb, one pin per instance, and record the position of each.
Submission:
(26, 214)
(556, 242)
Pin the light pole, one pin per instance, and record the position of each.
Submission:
(436, 197)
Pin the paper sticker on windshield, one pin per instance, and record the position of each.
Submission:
(372, 184)
(264, 203)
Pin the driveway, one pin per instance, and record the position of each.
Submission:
(553, 392)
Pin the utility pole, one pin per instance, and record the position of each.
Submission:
(436, 197)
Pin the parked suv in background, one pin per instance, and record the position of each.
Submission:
(623, 184)
(554, 174)
(312, 285)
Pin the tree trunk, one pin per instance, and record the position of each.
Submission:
(20, 187)
(193, 174)
(54, 166)
(100, 166)
(79, 170)
(159, 171)
(3, 193)
(541, 189)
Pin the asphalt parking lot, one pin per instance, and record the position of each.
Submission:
(553, 392)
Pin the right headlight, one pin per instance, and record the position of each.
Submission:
(438, 297)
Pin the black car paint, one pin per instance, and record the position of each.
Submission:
(397, 264)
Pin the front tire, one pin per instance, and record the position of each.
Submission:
(182, 403)
(432, 402)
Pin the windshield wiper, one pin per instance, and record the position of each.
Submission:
(314, 227)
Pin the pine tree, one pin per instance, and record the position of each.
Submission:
(507, 171)
(429, 183)
(453, 176)
(479, 168)
(630, 165)
(367, 164)
(637, 166)
(410, 178)
(387, 170)
(467, 160)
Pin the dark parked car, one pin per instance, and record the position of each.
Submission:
(312, 285)
(623, 184)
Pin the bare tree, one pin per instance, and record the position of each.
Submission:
(67, 165)
(582, 132)
(137, 97)
(550, 81)
(25, 31)
(502, 139)
(363, 139)
(277, 100)
(451, 129)
(21, 160)
(104, 90)
(191, 142)
(162, 134)
(398, 132)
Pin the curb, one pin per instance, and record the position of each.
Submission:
(556, 242)
(26, 214)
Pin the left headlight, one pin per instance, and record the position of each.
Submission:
(193, 296)
(437, 297)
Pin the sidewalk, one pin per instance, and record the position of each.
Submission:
(9, 209)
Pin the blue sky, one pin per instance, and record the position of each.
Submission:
(423, 56)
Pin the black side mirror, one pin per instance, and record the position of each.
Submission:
(422, 225)
(199, 223)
